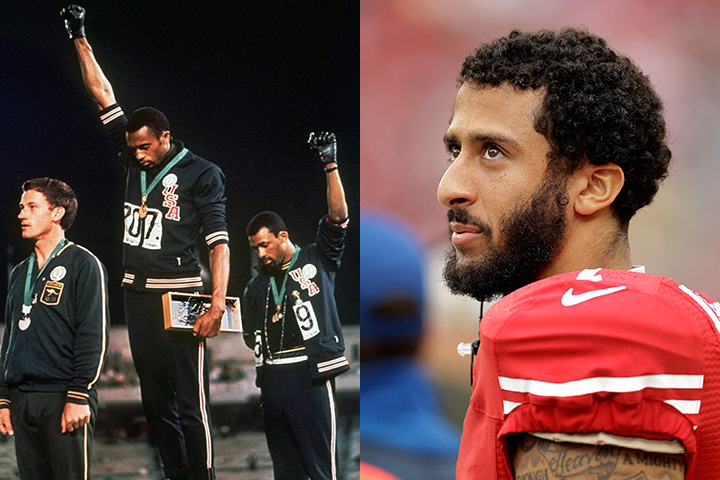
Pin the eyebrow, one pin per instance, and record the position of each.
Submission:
(495, 137)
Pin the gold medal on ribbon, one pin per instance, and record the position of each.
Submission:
(277, 315)
(143, 208)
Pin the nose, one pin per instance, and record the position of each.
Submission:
(455, 188)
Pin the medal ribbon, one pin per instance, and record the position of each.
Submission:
(29, 283)
(279, 296)
(143, 175)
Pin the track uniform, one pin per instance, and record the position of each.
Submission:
(605, 356)
(187, 203)
(298, 356)
(54, 358)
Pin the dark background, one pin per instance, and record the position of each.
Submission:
(242, 83)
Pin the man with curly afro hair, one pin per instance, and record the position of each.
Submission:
(587, 367)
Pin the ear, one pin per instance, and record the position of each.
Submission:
(283, 236)
(165, 137)
(58, 213)
(597, 187)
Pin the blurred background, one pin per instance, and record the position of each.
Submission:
(243, 84)
(411, 51)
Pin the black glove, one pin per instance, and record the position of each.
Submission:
(74, 16)
(325, 145)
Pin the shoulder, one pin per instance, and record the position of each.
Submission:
(199, 164)
(601, 294)
(20, 267)
(255, 284)
(602, 320)
(79, 255)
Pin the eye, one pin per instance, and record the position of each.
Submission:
(454, 152)
(492, 152)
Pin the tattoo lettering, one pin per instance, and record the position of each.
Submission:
(658, 460)
(566, 462)
(539, 459)
(536, 475)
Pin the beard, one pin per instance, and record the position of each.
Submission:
(531, 237)
(271, 269)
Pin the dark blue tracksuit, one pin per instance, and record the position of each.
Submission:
(297, 379)
(159, 256)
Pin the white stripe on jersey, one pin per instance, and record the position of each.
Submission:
(217, 236)
(509, 406)
(174, 282)
(600, 384)
(286, 361)
(108, 117)
(709, 309)
(687, 407)
(103, 306)
(332, 364)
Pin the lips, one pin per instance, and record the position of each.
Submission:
(463, 233)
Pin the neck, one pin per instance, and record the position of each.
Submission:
(45, 245)
(586, 247)
(289, 252)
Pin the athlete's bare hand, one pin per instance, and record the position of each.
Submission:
(208, 324)
(5, 423)
(74, 417)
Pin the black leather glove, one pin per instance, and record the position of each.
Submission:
(74, 16)
(325, 145)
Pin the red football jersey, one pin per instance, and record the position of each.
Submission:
(624, 353)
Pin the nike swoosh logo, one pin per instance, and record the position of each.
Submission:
(569, 300)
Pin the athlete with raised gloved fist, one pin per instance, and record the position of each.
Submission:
(171, 196)
(291, 321)
(325, 145)
(74, 17)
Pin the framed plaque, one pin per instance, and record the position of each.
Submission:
(181, 311)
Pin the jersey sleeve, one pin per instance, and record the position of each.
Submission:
(249, 310)
(595, 351)
(330, 239)
(4, 389)
(91, 333)
(114, 120)
(210, 201)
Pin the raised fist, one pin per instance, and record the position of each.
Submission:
(325, 145)
(74, 17)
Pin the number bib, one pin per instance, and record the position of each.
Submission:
(306, 319)
(258, 349)
(147, 236)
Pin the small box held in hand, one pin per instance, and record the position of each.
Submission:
(181, 311)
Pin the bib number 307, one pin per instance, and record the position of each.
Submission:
(144, 232)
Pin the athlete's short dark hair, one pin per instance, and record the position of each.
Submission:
(150, 117)
(271, 220)
(58, 194)
(598, 106)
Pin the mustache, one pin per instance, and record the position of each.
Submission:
(461, 215)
